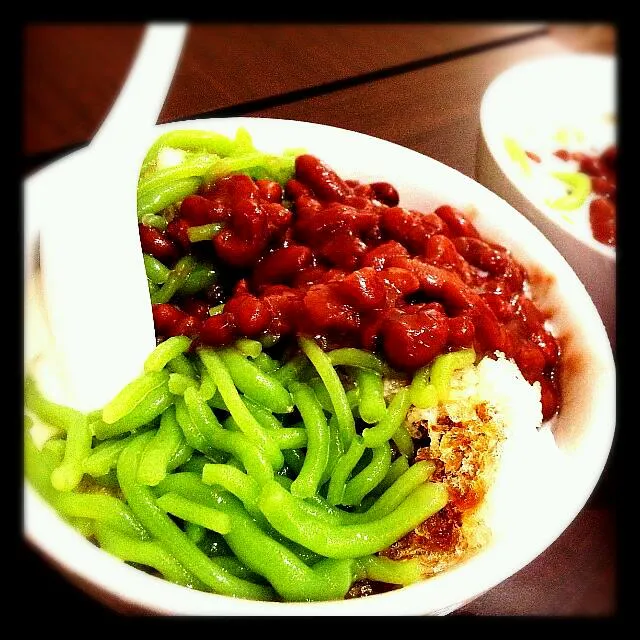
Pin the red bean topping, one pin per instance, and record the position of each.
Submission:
(285, 304)
(344, 263)
(278, 219)
(480, 254)
(188, 326)
(549, 397)
(592, 166)
(248, 220)
(442, 252)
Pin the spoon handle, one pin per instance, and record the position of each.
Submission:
(141, 98)
(94, 283)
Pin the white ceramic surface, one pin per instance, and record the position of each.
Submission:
(543, 504)
(109, 321)
(533, 101)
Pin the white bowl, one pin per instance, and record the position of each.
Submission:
(546, 502)
(531, 102)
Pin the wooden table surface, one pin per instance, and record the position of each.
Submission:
(416, 84)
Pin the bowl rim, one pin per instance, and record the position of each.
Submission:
(50, 534)
(492, 94)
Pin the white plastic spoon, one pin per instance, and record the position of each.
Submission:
(84, 206)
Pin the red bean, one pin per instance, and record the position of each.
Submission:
(177, 230)
(188, 326)
(456, 221)
(410, 229)
(196, 308)
(248, 220)
(321, 179)
(251, 315)
(269, 190)
(233, 187)
(285, 305)
(609, 157)
(236, 251)
(218, 330)
(169, 320)
(602, 217)
(158, 244)
(282, 265)
(363, 289)
(345, 251)
(442, 252)
(294, 189)
(530, 360)
(327, 313)
(385, 193)
(604, 187)
(361, 202)
(319, 227)
(592, 166)
(278, 219)
(502, 307)
(410, 341)
(548, 345)
(198, 210)
(403, 281)
(480, 254)
(549, 398)
(461, 332)
(363, 190)
(378, 256)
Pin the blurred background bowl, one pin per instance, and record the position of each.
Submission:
(549, 103)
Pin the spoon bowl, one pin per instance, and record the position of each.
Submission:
(94, 285)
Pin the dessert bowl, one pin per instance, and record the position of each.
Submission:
(551, 104)
(529, 508)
